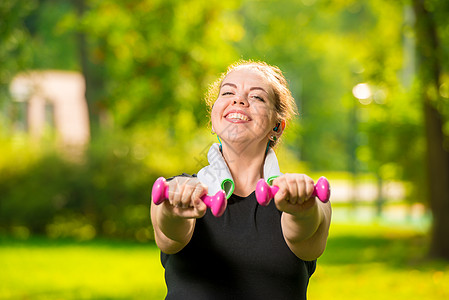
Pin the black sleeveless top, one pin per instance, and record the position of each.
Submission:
(240, 255)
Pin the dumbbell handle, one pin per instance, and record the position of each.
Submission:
(264, 192)
(216, 203)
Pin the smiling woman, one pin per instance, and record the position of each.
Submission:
(276, 87)
(244, 109)
(249, 252)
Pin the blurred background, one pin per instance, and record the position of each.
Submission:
(99, 98)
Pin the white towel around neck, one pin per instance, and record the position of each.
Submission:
(216, 175)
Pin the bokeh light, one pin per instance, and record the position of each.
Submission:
(362, 91)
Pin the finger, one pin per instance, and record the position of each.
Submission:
(196, 207)
(174, 192)
(186, 197)
(198, 192)
(302, 189)
(280, 182)
(310, 187)
(293, 188)
(200, 209)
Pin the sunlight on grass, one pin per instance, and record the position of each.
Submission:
(362, 261)
(378, 262)
(377, 281)
(51, 270)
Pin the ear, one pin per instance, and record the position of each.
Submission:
(279, 128)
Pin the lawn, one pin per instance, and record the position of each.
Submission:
(45, 269)
(367, 261)
(362, 261)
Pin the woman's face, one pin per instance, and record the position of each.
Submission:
(244, 110)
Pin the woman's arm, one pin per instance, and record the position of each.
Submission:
(174, 220)
(306, 235)
(305, 220)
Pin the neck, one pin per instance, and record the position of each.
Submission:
(246, 165)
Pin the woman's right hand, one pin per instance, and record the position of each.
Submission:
(185, 198)
(174, 219)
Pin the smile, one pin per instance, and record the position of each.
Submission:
(237, 117)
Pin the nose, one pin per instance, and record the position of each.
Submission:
(241, 100)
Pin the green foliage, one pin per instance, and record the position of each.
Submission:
(151, 62)
(325, 49)
(106, 192)
(15, 53)
(158, 57)
(154, 61)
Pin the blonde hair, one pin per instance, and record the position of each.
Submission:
(284, 103)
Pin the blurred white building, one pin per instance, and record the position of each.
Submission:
(53, 100)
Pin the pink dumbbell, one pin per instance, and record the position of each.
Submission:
(264, 192)
(216, 203)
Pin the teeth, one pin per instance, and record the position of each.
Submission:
(238, 116)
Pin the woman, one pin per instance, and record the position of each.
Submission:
(251, 251)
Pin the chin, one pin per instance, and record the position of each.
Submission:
(245, 141)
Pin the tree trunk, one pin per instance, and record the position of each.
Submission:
(437, 158)
(92, 76)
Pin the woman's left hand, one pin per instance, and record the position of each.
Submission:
(295, 193)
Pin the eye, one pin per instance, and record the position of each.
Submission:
(227, 93)
(258, 98)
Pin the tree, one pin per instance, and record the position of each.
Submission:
(430, 49)
(156, 57)
(93, 72)
(15, 53)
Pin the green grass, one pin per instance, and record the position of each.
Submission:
(367, 261)
(362, 261)
(43, 269)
